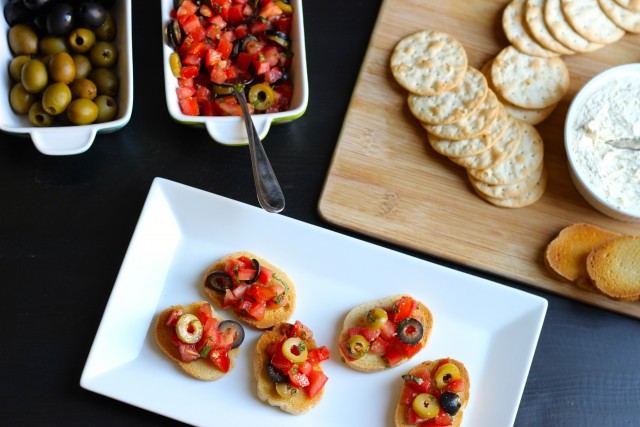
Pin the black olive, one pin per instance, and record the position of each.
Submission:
(276, 375)
(409, 331)
(37, 5)
(218, 281)
(15, 12)
(91, 14)
(238, 329)
(174, 34)
(39, 23)
(108, 4)
(256, 267)
(278, 37)
(60, 19)
(450, 402)
(239, 45)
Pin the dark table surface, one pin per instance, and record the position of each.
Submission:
(66, 222)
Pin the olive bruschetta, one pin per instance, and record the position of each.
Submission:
(203, 343)
(434, 393)
(260, 293)
(384, 333)
(287, 368)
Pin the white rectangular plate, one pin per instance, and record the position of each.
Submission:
(492, 329)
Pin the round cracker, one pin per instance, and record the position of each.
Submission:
(529, 81)
(472, 125)
(521, 163)
(563, 32)
(588, 19)
(514, 29)
(534, 21)
(428, 62)
(474, 145)
(633, 5)
(503, 147)
(526, 199)
(507, 191)
(453, 105)
(626, 19)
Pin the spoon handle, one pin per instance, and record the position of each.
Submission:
(268, 189)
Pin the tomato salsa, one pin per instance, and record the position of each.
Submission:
(393, 333)
(218, 40)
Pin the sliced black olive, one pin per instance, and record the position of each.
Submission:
(278, 37)
(237, 328)
(218, 281)
(239, 45)
(174, 34)
(276, 375)
(450, 402)
(409, 331)
(256, 267)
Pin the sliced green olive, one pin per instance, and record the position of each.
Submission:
(286, 390)
(261, 96)
(445, 374)
(221, 90)
(426, 406)
(189, 329)
(295, 350)
(357, 346)
(410, 331)
(375, 318)
(175, 64)
(218, 281)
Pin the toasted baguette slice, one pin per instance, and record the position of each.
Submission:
(356, 318)
(400, 415)
(614, 267)
(201, 368)
(298, 402)
(272, 316)
(566, 255)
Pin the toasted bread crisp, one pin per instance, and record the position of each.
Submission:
(566, 255)
(431, 367)
(272, 315)
(614, 267)
(201, 368)
(357, 318)
(297, 402)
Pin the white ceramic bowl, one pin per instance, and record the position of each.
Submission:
(594, 194)
(230, 130)
(65, 140)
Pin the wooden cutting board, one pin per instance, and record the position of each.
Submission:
(385, 181)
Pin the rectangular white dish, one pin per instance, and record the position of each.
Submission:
(493, 329)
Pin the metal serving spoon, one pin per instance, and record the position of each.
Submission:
(626, 143)
(268, 189)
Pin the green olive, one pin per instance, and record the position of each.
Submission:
(50, 45)
(175, 64)
(81, 40)
(287, 390)
(103, 54)
(107, 108)
(375, 318)
(445, 374)
(357, 346)
(83, 66)
(56, 98)
(62, 68)
(34, 76)
(83, 112)
(261, 96)
(83, 88)
(188, 327)
(106, 31)
(15, 67)
(23, 40)
(295, 350)
(426, 406)
(106, 81)
(21, 99)
(38, 117)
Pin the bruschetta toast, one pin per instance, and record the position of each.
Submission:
(260, 293)
(287, 368)
(433, 393)
(384, 333)
(199, 340)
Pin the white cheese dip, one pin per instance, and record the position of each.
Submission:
(613, 112)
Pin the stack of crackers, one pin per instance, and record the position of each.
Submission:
(466, 122)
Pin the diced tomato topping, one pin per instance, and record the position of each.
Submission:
(388, 330)
(260, 65)
(402, 309)
(173, 318)
(297, 378)
(228, 106)
(224, 47)
(188, 352)
(411, 417)
(455, 386)
(301, 331)
(270, 10)
(317, 380)
(236, 15)
(378, 346)
(203, 95)
(442, 419)
(189, 71)
(186, 9)
(220, 358)
(365, 332)
(422, 385)
(284, 24)
(394, 355)
(318, 354)
(258, 310)
(273, 75)
(410, 350)
(407, 395)
(189, 106)
(265, 275)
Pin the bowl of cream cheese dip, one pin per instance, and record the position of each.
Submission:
(602, 142)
